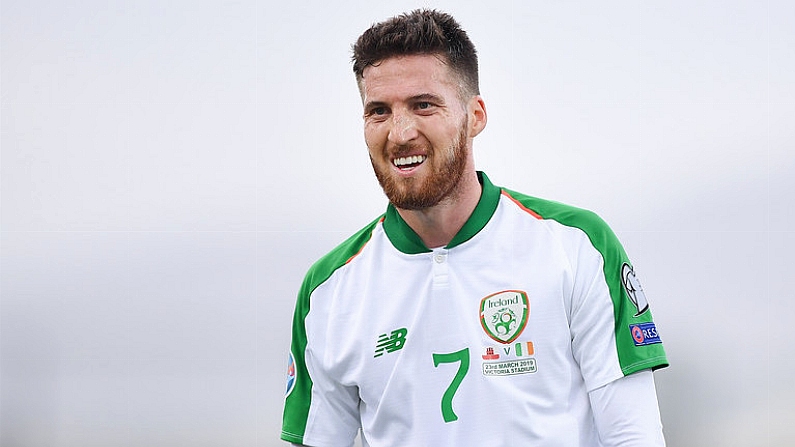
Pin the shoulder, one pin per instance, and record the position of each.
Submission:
(573, 220)
(324, 267)
(567, 215)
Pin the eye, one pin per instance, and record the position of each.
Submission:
(377, 112)
(422, 105)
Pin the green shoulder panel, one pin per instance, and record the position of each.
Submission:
(299, 384)
(637, 342)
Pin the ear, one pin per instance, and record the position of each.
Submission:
(476, 114)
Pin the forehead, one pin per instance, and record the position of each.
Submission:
(406, 76)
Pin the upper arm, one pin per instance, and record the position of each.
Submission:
(626, 412)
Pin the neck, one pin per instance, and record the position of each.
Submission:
(437, 226)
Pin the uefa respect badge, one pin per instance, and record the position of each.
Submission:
(503, 315)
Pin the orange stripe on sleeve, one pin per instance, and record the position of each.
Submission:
(519, 204)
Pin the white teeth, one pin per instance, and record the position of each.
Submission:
(403, 161)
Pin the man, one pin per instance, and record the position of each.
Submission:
(467, 314)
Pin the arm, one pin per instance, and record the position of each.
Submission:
(626, 413)
(319, 410)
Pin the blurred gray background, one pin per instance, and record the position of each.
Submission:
(169, 170)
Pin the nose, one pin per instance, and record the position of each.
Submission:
(404, 128)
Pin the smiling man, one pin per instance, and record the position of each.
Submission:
(467, 314)
(419, 122)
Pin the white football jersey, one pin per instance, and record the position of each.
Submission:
(494, 340)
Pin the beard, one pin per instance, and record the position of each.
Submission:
(442, 182)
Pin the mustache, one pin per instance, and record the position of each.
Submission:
(408, 149)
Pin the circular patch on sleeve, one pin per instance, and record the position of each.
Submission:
(633, 288)
(290, 375)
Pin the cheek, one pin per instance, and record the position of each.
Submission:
(373, 137)
(444, 136)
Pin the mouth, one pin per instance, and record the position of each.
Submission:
(408, 163)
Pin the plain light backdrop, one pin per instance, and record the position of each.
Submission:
(169, 170)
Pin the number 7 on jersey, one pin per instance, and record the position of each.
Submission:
(447, 398)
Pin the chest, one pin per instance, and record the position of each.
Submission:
(506, 305)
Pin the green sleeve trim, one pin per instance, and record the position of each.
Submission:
(299, 399)
(631, 358)
(292, 437)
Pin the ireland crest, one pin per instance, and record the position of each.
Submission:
(503, 315)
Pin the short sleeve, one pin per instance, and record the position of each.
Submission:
(610, 306)
(318, 410)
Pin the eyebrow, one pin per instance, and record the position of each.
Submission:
(427, 97)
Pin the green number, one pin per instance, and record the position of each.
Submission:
(447, 399)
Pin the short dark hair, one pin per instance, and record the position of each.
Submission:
(423, 31)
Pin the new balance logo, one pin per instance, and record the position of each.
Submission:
(391, 343)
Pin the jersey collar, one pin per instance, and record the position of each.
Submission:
(406, 240)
